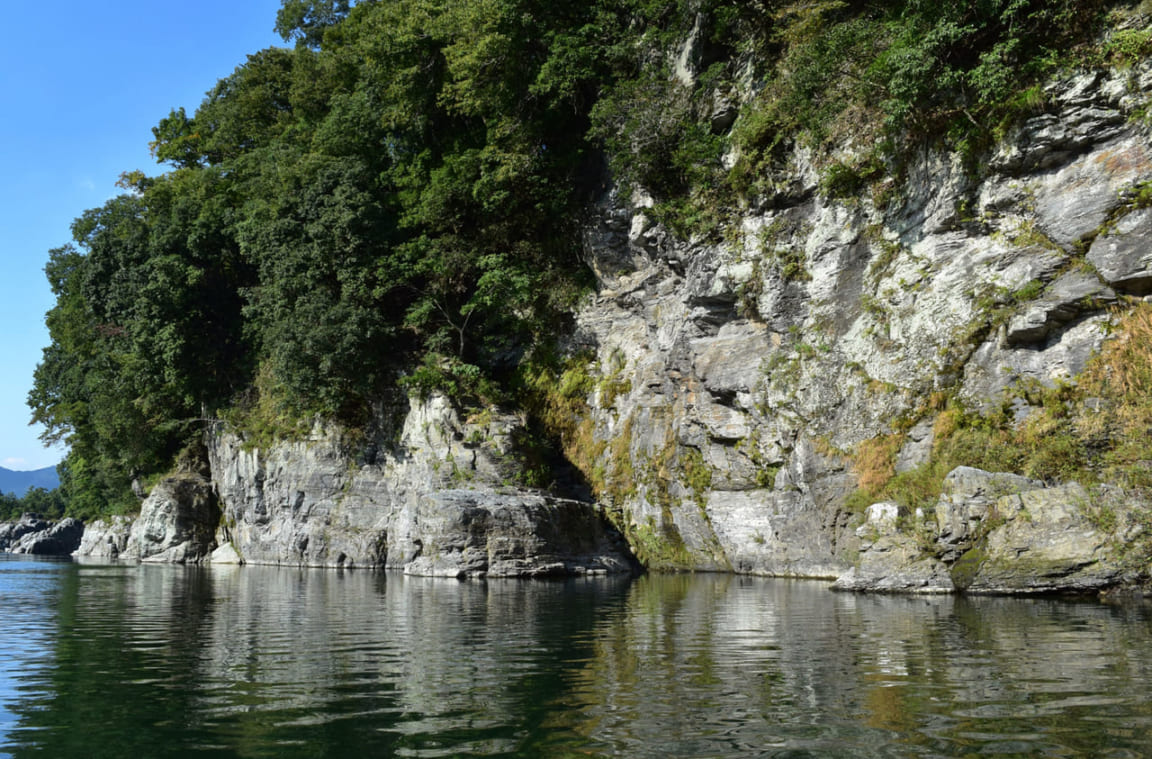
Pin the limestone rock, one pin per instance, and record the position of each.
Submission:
(1090, 113)
(35, 536)
(226, 554)
(1073, 202)
(891, 560)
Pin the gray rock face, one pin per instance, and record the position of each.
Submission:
(472, 533)
(1066, 299)
(434, 503)
(105, 538)
(1048, 542)
(896, 564)
(969, 500)
(745, 374)
(1123, 254)
(177, 522)
(1001, 533)
(891, 560)
(38, 537)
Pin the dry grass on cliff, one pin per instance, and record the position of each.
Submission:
(1098, 428)
(1116, 400)
(874, 461)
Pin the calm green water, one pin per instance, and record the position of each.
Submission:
(131, 661)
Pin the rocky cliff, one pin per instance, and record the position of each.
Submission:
(434, 496)
(749, 394)
(741, 386)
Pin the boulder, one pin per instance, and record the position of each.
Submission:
(896, 564)
(54, 539)
(1048, 542)
(1123, 256)
(177, 522)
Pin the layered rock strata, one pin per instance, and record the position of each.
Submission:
(433, 497)
(736, 380)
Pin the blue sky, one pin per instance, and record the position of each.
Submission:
(83, 84)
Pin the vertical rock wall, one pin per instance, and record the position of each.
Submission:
(439, 500)
(735, 379)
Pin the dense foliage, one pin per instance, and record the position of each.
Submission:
(396, 198)
(48, 504)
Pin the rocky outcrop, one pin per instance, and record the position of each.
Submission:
(177, 522)
(736, 381)
(434, 495)
(465, 532)
(1001, 533)
(39, 537)
(105, 538)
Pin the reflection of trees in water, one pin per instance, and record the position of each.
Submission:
(259, 661)
(280, 662)
(124, 675)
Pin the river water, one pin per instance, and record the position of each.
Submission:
(146, 661)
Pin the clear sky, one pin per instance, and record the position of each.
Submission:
(83, 84)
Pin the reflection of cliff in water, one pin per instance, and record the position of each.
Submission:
(423, 655)
(721, 664)
(259, 661)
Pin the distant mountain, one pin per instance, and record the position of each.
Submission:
(20, 482)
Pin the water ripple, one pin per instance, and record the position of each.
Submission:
(285, 662)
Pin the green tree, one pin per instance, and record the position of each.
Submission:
(306, 20)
